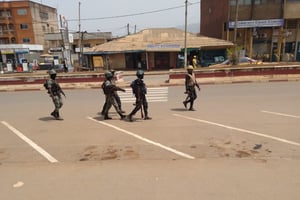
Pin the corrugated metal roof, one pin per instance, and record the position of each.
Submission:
(159, 39)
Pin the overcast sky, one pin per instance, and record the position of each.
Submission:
(99, 15)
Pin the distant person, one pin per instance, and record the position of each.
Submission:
(190, 90)
(55, 91)
(65, 66)
(139, 90)
(195, 62)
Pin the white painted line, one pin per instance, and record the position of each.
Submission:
(240, 130)
(30, 142)
(143, 139)
(281, 114)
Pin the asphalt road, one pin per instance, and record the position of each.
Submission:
(243, 142)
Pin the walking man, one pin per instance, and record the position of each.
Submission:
(190, 84)
(117, 97)
(54, 91)
(139, 90)
(109, 89)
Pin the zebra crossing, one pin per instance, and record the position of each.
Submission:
(155, 94)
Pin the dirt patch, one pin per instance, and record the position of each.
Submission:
(243, 154)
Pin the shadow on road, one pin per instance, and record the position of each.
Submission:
(45, 119)
(179, 109)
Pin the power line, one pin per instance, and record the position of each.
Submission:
(134, 14)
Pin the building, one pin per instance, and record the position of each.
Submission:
(157, 48)
(22, 26)
(265, 29)
(74, 40)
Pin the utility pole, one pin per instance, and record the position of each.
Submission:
(128, 32)
(79, 34)
(185, 35)
(62, 37)
(235, 58)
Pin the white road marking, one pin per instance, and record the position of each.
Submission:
(281, 114)
(240, 130)
(159, 94)
(143, 139)
(30, 142)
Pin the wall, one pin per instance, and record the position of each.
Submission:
(292, 10)
(117, 61)
(213, 16)
(49, 22)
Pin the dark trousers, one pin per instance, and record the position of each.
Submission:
(142, 101)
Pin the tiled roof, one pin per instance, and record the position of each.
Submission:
(159, 39)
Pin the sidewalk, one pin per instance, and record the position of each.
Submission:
(83, 80)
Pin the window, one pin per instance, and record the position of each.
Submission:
(249, 2)
(26, 40)
(44, 15)
(241, 2)
(24, 26)
(22, 11)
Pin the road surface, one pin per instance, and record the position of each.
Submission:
(243, 142)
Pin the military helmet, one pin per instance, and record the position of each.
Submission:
(51, 72)
(108, 75)
(112, 71)
(190, 67)
(140, 73)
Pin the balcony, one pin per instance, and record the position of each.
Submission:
(5, 20)
(7, 33)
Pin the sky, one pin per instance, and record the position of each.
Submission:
(99, 15)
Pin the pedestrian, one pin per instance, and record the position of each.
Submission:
(54, 91)
(109, 89)
(117, 97)
(139, 90)
(190, 84)
(65, 66)
(195, 62)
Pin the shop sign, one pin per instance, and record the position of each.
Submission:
(257, 23)
(21, 51)
(7, 51)
(163, 46)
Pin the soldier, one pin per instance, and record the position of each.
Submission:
(117, 97)
(55, 91)
(109, 89)
(190, 83)
(139, 90)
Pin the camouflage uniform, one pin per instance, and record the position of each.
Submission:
(55, 91)
(139, 90)
(190, 84)
(109, 89)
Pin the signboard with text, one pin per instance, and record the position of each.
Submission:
(257, 23)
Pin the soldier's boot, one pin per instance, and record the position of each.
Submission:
(191, 106)
(53, 114)
(129, 117)
(106, 117)
(122, 116)
(147, 116)
(184, 103)
(58, 116)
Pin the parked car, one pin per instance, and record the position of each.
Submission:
(242, 61)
